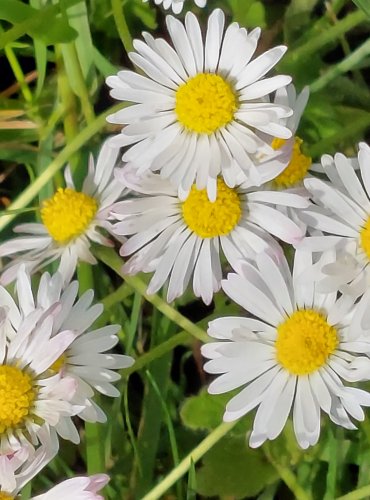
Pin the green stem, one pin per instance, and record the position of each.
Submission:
(80, 140)
(121, 24)
(93, 433)
(316, 43)
(118, 295)
(193, 457)
(112, 260)
(70, 53)
(157, 352)
(345, 65)
(357, 494)
(18, 73)
(289, 479)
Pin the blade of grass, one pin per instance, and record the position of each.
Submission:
(196, 454)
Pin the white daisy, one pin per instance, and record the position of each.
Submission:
(342, 212)
(298, 164)
(77, 488)
(292, 355)
(85, 359)
(71, 219)
(182, 239)
(19, 467)
(29, 395)
(196, 113)
(177, 5)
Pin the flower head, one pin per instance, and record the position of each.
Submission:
(293, 355)
(85, 360)
(177, 5)
(342, 211)
(183, 239)
(77, 488)
(18, 467)
(71, 220)
(30, 343)
(196, 113)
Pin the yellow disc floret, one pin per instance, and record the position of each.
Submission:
(297, 167)
(209, 219)
(16, 397)
(58, 364)
(305, 341)
(68, 214)
(365, 238)
(6, 496)
(205, 103)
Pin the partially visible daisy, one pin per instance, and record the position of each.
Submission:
(29, 395)
(180, 240)
(293, 355)
(17, 468)
(71, 220)
(197, 112)
(342, 212)
(77, 488)
(299, 163)
(84, 360)
(177, 5)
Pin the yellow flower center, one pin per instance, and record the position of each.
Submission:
(365, 238)
(58, 364)
(205, 103)
(297, 167)
(16, 397)
(6, 496)
(208, 219)
(305, 341)
(68, 214)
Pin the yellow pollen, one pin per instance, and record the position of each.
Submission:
(305, 341)
(297, 167)
(205, 103)
(365, 238)
(5, 496)
(16, 397)
(68, 214)
(209, 219)
(58, 364)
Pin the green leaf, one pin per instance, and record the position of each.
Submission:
(249, 13)
(364, 5)
(230, 468)
(45, 24)
(205, 411)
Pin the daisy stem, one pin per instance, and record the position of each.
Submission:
(316, 43)
(356, 494)
(347, 64)
(94, 438)
(112, 260)
(70, 55)
(196, 454)
(18, 73)
(75, 145)
(121, 25)
(289, 478)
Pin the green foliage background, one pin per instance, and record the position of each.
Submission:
(164, 437)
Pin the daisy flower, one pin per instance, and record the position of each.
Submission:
(196, 113)
(29, 395)
(180, 239)
(293, 355)
(342, 212)
(84, 360)
(78, 488)
(177, 5)
(71, 220)
(298, 164)
(19, 467)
